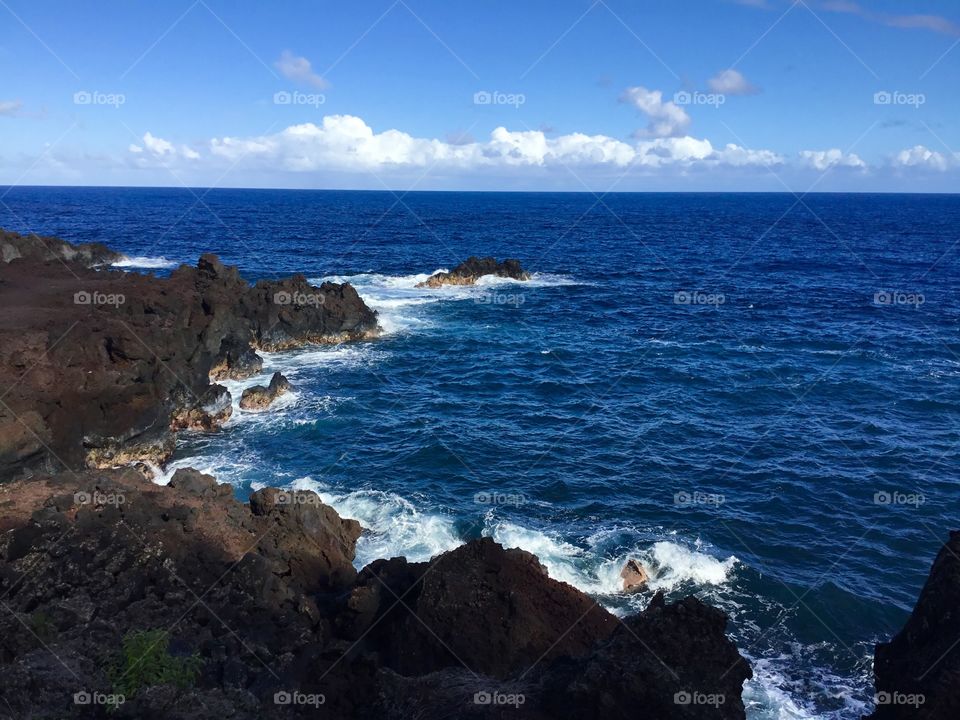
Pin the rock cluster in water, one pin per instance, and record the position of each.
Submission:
(259, 398)
(473, 268)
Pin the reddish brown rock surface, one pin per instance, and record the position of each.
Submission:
(97, 365)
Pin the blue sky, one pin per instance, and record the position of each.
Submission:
(423, 94)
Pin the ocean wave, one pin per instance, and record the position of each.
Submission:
(398, 299)
(596, 572)
(147, 263)
(393, 526)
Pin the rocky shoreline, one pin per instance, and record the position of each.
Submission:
(104, 366)
(123, 598)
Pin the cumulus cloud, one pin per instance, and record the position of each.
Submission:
(825, 159)
(299, 70)
(157, 147)
(346, 142)
(919, 156)
(667, 119)
(732, 82)
(10, 108)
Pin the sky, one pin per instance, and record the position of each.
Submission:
(573, 95)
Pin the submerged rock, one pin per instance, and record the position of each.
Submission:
(258, 398)
(472, 269)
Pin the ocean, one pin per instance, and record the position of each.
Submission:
(756, 394)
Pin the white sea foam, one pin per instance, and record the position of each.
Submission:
(598, 573)
(398, 299)
(147, 263)
(393, 526)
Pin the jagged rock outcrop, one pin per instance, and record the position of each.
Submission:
(103, 365)
(259, 398)
(473, 268)
(85, 559)
(265, 596)
(491, 609)
(236, 360)
(14, 246)
(917, 673)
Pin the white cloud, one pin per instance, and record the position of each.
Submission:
(298, 69)
(731, 82)
(920, 156)
(10, 108)
(347, 143)
(667, 119)
(825, 159)
(157, 147)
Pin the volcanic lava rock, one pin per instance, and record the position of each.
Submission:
(266, 596)
(86, 559)
(479, 604)
(473, 268)
(258, 398)
(235, 361)
(917, 673)
(211, 411)
(14, 246)
(648, 664)
(104, 365)
(634, 576)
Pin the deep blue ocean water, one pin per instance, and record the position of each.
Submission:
(757, 395)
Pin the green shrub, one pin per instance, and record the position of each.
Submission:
(146, 661)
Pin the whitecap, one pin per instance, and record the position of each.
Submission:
(393, 526)
(143, 262)
(598, 573)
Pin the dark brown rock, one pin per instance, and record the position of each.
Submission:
(259, 398)
(635, 577)
(917, 673)
(472, 269)
(104, 365)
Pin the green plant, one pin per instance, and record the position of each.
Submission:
(146, 661)
(42, 626)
